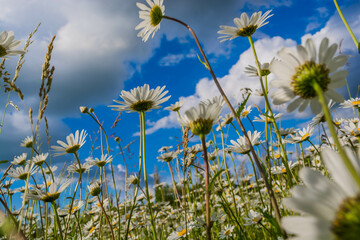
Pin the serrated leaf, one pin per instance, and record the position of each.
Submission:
(242, 105)
(214, 178)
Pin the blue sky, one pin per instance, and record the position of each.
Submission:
(97, 54)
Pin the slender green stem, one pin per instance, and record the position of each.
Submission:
(107, 218)
(347, 25)
(57, 218)
(342, 153)
(142, 132)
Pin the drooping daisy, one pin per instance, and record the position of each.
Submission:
(168, 156)
(141, 99)
(174, 107)
(252, 71)
(151, 17)
(102, 161)
(74, 143)
(297, 71)
(352, 102)
(19, 160)
(75, 168)
(331, 209)
(201, 119)
(40, 159)
(94, 189)
(52, 194)
(244, 26)
(263, 118)
(8, 45)
(27, 142)
(22, 173)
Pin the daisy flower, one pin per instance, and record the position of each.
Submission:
(40, 159)
(52, 194)
(252, 71)
(297, 71)
(330, 208)
(246, 111)
(241, 145)
(253, 218)
(244, 26)
(168, 156)
(151, 16)
(19, 160)
(8, 45)
(263, 118)
(353, 129)
(75, 168)
(102, 161)
(352, 102)
(27, 142)
(303, 135)
(174, 107)
(201, 119)
(141, 99)
(74, 143)
(94, 189)
(22, 173)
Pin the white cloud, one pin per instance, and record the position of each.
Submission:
(171, 60)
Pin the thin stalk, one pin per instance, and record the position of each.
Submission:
(142, 131)
(57, 219)
(347, 25)
(107, 218)
(342, 153)
(207, 190)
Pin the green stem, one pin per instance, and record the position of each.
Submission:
(347, 25)
(57, 218)
(142, 132)
(342, 153)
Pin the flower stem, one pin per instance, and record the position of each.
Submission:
(357, 44)
(107, 218)
(142, 132)
(207, 194)
(327, 115)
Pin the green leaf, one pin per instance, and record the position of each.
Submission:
(214, 178)
(4, 161)
(206, 66)
(242, 105)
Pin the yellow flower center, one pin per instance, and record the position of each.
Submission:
(245, 113)
(354, 103)
(227, 232)
(73, 149)
(155, 15)
(305, 137)
(283, 170)
(246, 31)
(182, 232)
(92, 229)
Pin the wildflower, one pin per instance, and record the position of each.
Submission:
(74, 143)
(330, 208)
(241, 145)
(353, 129)
(164, 149)
(253, 218)
(7, 44)
(284, 132)
(94, 189)
(352, 102)
(180, 232)
(320, 118)
(40, 159)
(252, 71)
(102, 161)
(244, 26)
(23, 173)
(227, 232)
(132, 180)
(200, 120)
(141, 99)
(27, 142)
(303, 135)
(151, 17)
(168, 156)
(51, 170)
(299, 70)
(269, 120)
(52, 194)
(84, 109)
(174, 107)
(75, 168)
(246, 111)
(19, 160)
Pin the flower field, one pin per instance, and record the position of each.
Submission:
(313, 194)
